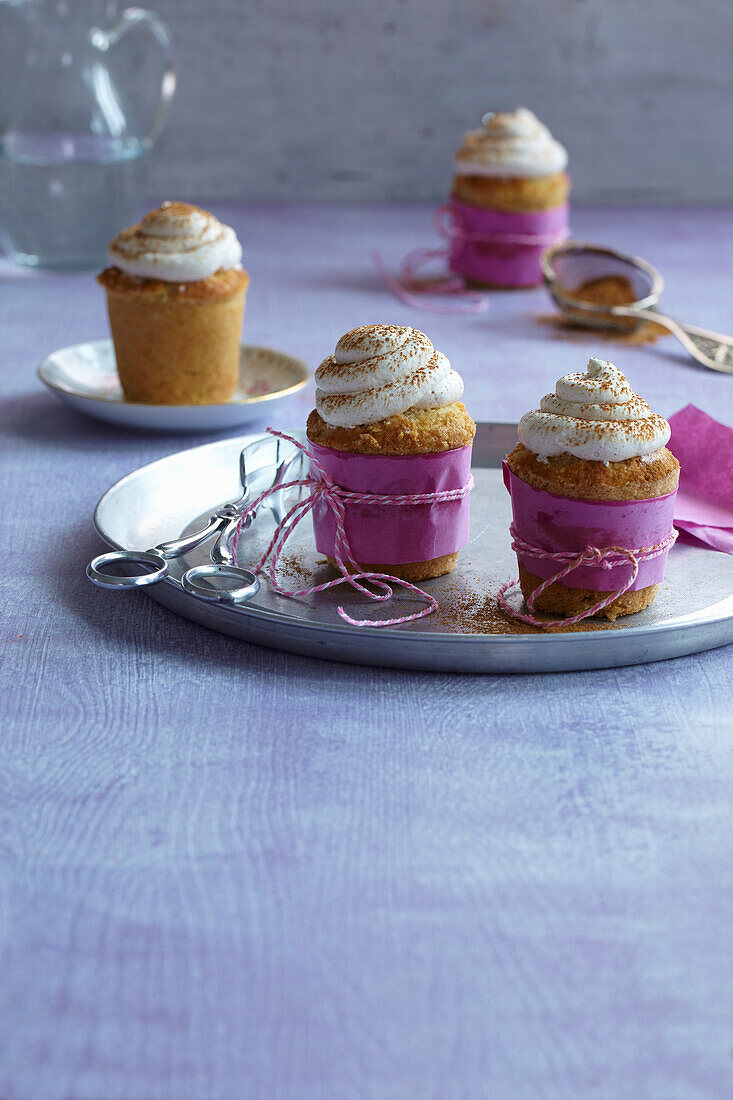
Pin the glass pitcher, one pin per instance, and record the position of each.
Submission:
(74, 131)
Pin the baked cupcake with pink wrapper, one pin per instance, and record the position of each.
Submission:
(593, 491)
(509, 200)
(389, 430)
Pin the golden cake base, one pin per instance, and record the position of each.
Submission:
(177, 345)
(414, 432)
(414, 571)
(558, 599)
(568, 476)
(513, 194)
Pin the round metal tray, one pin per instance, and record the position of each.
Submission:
(693, 611)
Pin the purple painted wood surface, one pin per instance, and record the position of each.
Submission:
(229, 872)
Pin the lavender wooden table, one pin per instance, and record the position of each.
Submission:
(228, 872)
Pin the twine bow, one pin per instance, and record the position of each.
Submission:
(606, 557)
(323, 488)
(411, 289)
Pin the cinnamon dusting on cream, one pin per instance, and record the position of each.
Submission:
(379, 371)
(176, 243)
(594, 415)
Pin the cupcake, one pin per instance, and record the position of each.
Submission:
(509, 199)
(175, 296)
(388, 421)
(592, 469)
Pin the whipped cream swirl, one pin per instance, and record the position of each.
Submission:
(378, 371)
(177, 243)
(510, 143)
(595, 415)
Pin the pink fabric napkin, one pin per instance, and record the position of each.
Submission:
(704, 449)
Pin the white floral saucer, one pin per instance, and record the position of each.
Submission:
(85, 377)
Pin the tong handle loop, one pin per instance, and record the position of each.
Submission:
(151, 559)
(246, 587)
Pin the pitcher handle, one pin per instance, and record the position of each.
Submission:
(131, 18)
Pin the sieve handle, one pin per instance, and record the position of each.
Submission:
(712, 349)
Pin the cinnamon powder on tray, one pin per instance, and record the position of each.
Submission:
(294, 567)
(459, 611)
(462, 612)
(609, 290)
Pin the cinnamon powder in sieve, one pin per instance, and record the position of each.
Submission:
(609, 290)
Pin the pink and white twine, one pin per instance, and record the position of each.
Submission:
(411, 289)
(606, 557)
(323, 488)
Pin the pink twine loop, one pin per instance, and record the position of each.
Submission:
(411, 288)
(323, 488)
(606, 557)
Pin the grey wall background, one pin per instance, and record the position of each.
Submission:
(352, 100)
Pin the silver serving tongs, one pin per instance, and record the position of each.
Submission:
(240, 584)
(565, 267)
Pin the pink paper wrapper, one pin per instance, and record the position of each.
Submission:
(508, 263)
(704, 508)
(390, 533)
(557, 523)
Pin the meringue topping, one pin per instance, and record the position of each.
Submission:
(595, 415)
(510, 143)
(378, 371)
(177, 243)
